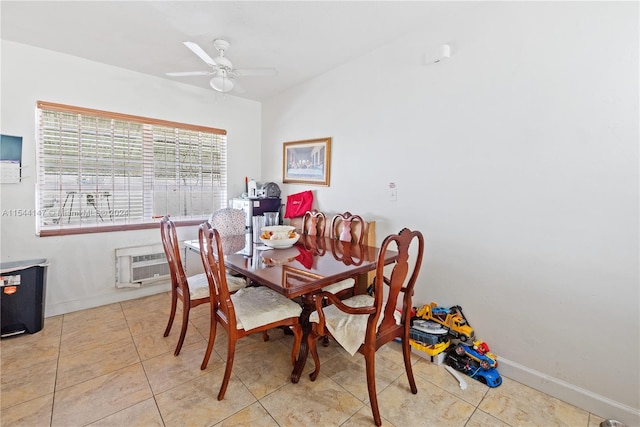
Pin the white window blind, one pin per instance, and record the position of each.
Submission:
(99, 169)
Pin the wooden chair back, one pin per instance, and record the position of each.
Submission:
(348, 227)
(314, 223)
(171, 247)
(181, 285)
(213, 263)
(369, 234)
(400, 281)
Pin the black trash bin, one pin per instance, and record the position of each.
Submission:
(22, 296)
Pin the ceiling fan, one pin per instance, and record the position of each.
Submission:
(224, 75)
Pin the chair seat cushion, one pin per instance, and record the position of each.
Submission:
(198, 286)
(348, 329)
(234, 282)
(258, 305)
(334, 288)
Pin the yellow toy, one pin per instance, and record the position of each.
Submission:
(431, 350)
(451, 318)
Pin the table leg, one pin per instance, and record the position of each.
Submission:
(308, 307)
(362, 284)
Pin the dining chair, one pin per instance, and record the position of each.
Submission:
(249, 310)
(346, 227)
(364, 323)
(314, 223)
(191, 291)
(229, 222)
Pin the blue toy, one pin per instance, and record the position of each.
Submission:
(475, 364)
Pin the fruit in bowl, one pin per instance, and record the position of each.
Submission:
(278, 232)
(279, 236)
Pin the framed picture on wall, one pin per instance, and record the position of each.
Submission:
(307, 162)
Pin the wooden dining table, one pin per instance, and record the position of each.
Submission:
(300, 271)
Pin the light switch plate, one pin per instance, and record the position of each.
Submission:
(393, 192)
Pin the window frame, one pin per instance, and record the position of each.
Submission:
(59, 230)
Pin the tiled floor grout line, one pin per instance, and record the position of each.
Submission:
(55, 382)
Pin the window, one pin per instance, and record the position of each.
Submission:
(102, 171)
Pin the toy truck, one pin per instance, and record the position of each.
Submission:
(451, 318)
(473, 361)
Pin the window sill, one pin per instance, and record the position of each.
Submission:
(111, 228)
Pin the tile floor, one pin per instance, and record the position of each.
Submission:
(111, 366)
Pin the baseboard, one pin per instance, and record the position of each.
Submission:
(123, 294)
(584, 399)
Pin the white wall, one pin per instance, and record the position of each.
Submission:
(518, 160)
(82, 269)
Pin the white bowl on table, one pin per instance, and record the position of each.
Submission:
(279, 236)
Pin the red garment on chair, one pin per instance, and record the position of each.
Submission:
(298, 204)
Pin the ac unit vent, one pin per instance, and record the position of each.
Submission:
(145, 267)
(140, 265)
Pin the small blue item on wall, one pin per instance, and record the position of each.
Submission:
(10, 159)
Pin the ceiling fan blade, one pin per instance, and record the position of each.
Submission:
(195, 48)
(255, 71)
(189, 73)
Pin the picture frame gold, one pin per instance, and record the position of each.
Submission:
(307, 162)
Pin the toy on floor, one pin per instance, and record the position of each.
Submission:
(450, 318)
(429, 337)
(478, 362)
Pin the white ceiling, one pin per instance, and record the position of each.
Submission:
(301, 39)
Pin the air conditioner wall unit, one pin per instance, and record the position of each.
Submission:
(141, 265)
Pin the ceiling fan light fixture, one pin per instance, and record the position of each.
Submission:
(221, 83)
